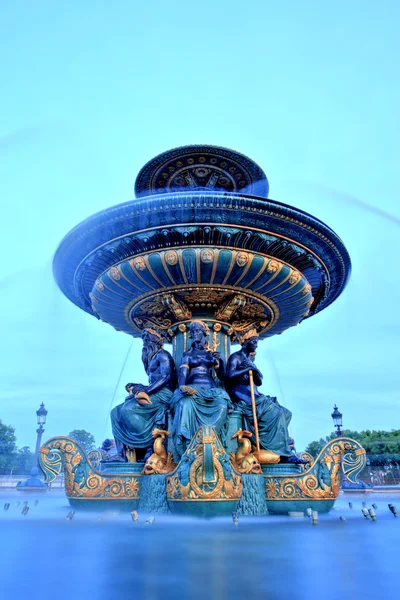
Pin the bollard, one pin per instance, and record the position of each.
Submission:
(315, 517)
(393, 509)
(235, 518)
(372, 514)
(366, 513)
(150, 521)
(135, 516)
(375, 506)
(342, 518)
(70, 515)
(350, 505)
(6, 506)
(25, 510)
(309, 512)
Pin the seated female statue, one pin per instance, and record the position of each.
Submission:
(145, 407)
(198, 401)
(273, 419)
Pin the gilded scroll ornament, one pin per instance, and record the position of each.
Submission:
(230, 306)
(321, 480)
(82, 479)
(177, 307)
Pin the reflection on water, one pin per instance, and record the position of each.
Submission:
(43, 554)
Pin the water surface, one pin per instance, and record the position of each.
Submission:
(105, 556)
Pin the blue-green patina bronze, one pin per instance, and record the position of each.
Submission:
(272, 418)
(202, 254)
(198, 401)
(145, 408)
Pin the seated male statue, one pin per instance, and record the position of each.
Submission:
(272, 418)
(145, 407)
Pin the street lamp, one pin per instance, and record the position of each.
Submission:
(41, 420)
(33, 483)
(337, 420)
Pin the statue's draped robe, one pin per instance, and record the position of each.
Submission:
(133, 424)
(208, 406)
(273, 421)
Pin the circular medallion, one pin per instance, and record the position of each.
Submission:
(171, 257)
(139, 263)
(207, 255)
(242, 258)
(114, 273)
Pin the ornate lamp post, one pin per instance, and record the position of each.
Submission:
(33, 483)
(41, 420)
(337, 420)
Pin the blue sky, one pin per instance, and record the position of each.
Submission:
(91, 91)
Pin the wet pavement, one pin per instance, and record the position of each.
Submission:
(106, 556)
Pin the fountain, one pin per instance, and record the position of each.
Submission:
(202, 259)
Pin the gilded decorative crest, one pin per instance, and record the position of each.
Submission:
(204, 472)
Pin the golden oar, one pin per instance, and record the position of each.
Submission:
(253, 405)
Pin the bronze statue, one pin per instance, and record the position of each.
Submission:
(272, 418)
(199, 400)
(145, 407)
